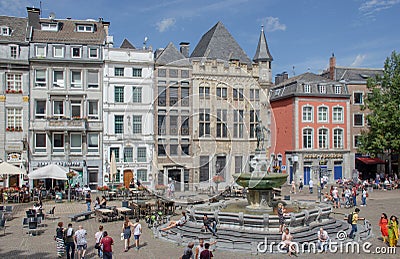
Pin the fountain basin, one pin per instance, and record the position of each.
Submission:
(260, 182)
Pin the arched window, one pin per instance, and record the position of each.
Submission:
(322, 114)
(337, 114)
(307, 113)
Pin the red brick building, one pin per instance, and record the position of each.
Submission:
(312, 120)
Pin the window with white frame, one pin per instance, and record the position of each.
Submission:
(14, 119)
(356, 141)
(76, 79)
(137, 124)
(93, 52)
(337, 114)
(308, 138)
(322, 89)
(141, 174)
(238, 123)
(47, 26)
(14, 51)
(322, 114)
(76, 110)
(40, 109)
(76, 143)
(136, 94)
(204, 122)
(323, 139)
(118, 71)
(307, 113)
(128, 154)
(337, 89)
(93, 142)
(76, 52)
(338, 138)
(93, 109)
(58, 78)
(93, 79)
(307, 88)
(58, 143)
(40, 143)
(222, 120)
(40, 51)
(118, 124)
(58, 108)
(204, 91)
(119, 94)
(358, 98)
(58, 51)
(254, 94)
(14, 82)
(136, 72)
(141, 154)
(5, 31)
(40, 78)
(222, 92)
(84, 27)
(358, 119)
(114, 150)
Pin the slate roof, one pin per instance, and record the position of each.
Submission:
(295, 87)
(262, 51)
(218, 43)
(67, 33)
(351, 74)
(127, 45)
(18, 27)
(171, 56)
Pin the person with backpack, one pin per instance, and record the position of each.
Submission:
(69, 241)
(352, 219)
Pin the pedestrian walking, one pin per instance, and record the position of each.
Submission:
(383, 225)
(81, 242)
(311, 185)
(137, 231)
(335, 195)
(293, 189)
(301, 185)
(106, 242)
(88, 199)
(206, 254)
(281, 214)
(200, 248)
(188, 252)
(59, 238)
(126, 230)
(354, 195)
(354, 220)
(98, 236)
(364, 197)
(69, 241)
(393, 232)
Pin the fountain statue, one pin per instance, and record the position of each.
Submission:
(260, 182)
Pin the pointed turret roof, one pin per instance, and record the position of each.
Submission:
(218, 43)
(262, 52)
(127, 45)
(171, 55)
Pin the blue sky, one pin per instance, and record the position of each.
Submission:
(303, 34)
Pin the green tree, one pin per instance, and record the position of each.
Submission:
(383, 102)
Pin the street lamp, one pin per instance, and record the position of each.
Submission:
(321, 163)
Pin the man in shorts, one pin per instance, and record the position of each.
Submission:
(107, 243)
(81, 242)
(137, 231)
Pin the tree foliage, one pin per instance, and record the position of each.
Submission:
(383, 102)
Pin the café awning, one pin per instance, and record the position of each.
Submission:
(370, 160)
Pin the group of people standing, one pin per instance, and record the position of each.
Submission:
(389, 229)
(68, 241)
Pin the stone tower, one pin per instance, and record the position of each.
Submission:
(264, 59)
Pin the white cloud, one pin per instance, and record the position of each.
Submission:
(273, 24)
(372, 6)
(165, 24)
(358, 60)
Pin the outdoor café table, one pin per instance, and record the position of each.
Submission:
(105, 211)
(111, 194)
(124, 211)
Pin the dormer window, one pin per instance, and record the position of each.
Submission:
(5, 31)
(322, 89)
(76, 52)
(307, 88)
(84, 28)
(338, 89)
(49, 26)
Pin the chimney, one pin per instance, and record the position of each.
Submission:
(332, 65)
(285, 76)
(184, 48)
(106, 25)
(33, 17)
(278, 79)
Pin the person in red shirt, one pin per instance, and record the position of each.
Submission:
(206, 254)
(107, 242)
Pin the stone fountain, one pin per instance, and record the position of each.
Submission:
(260, 182)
